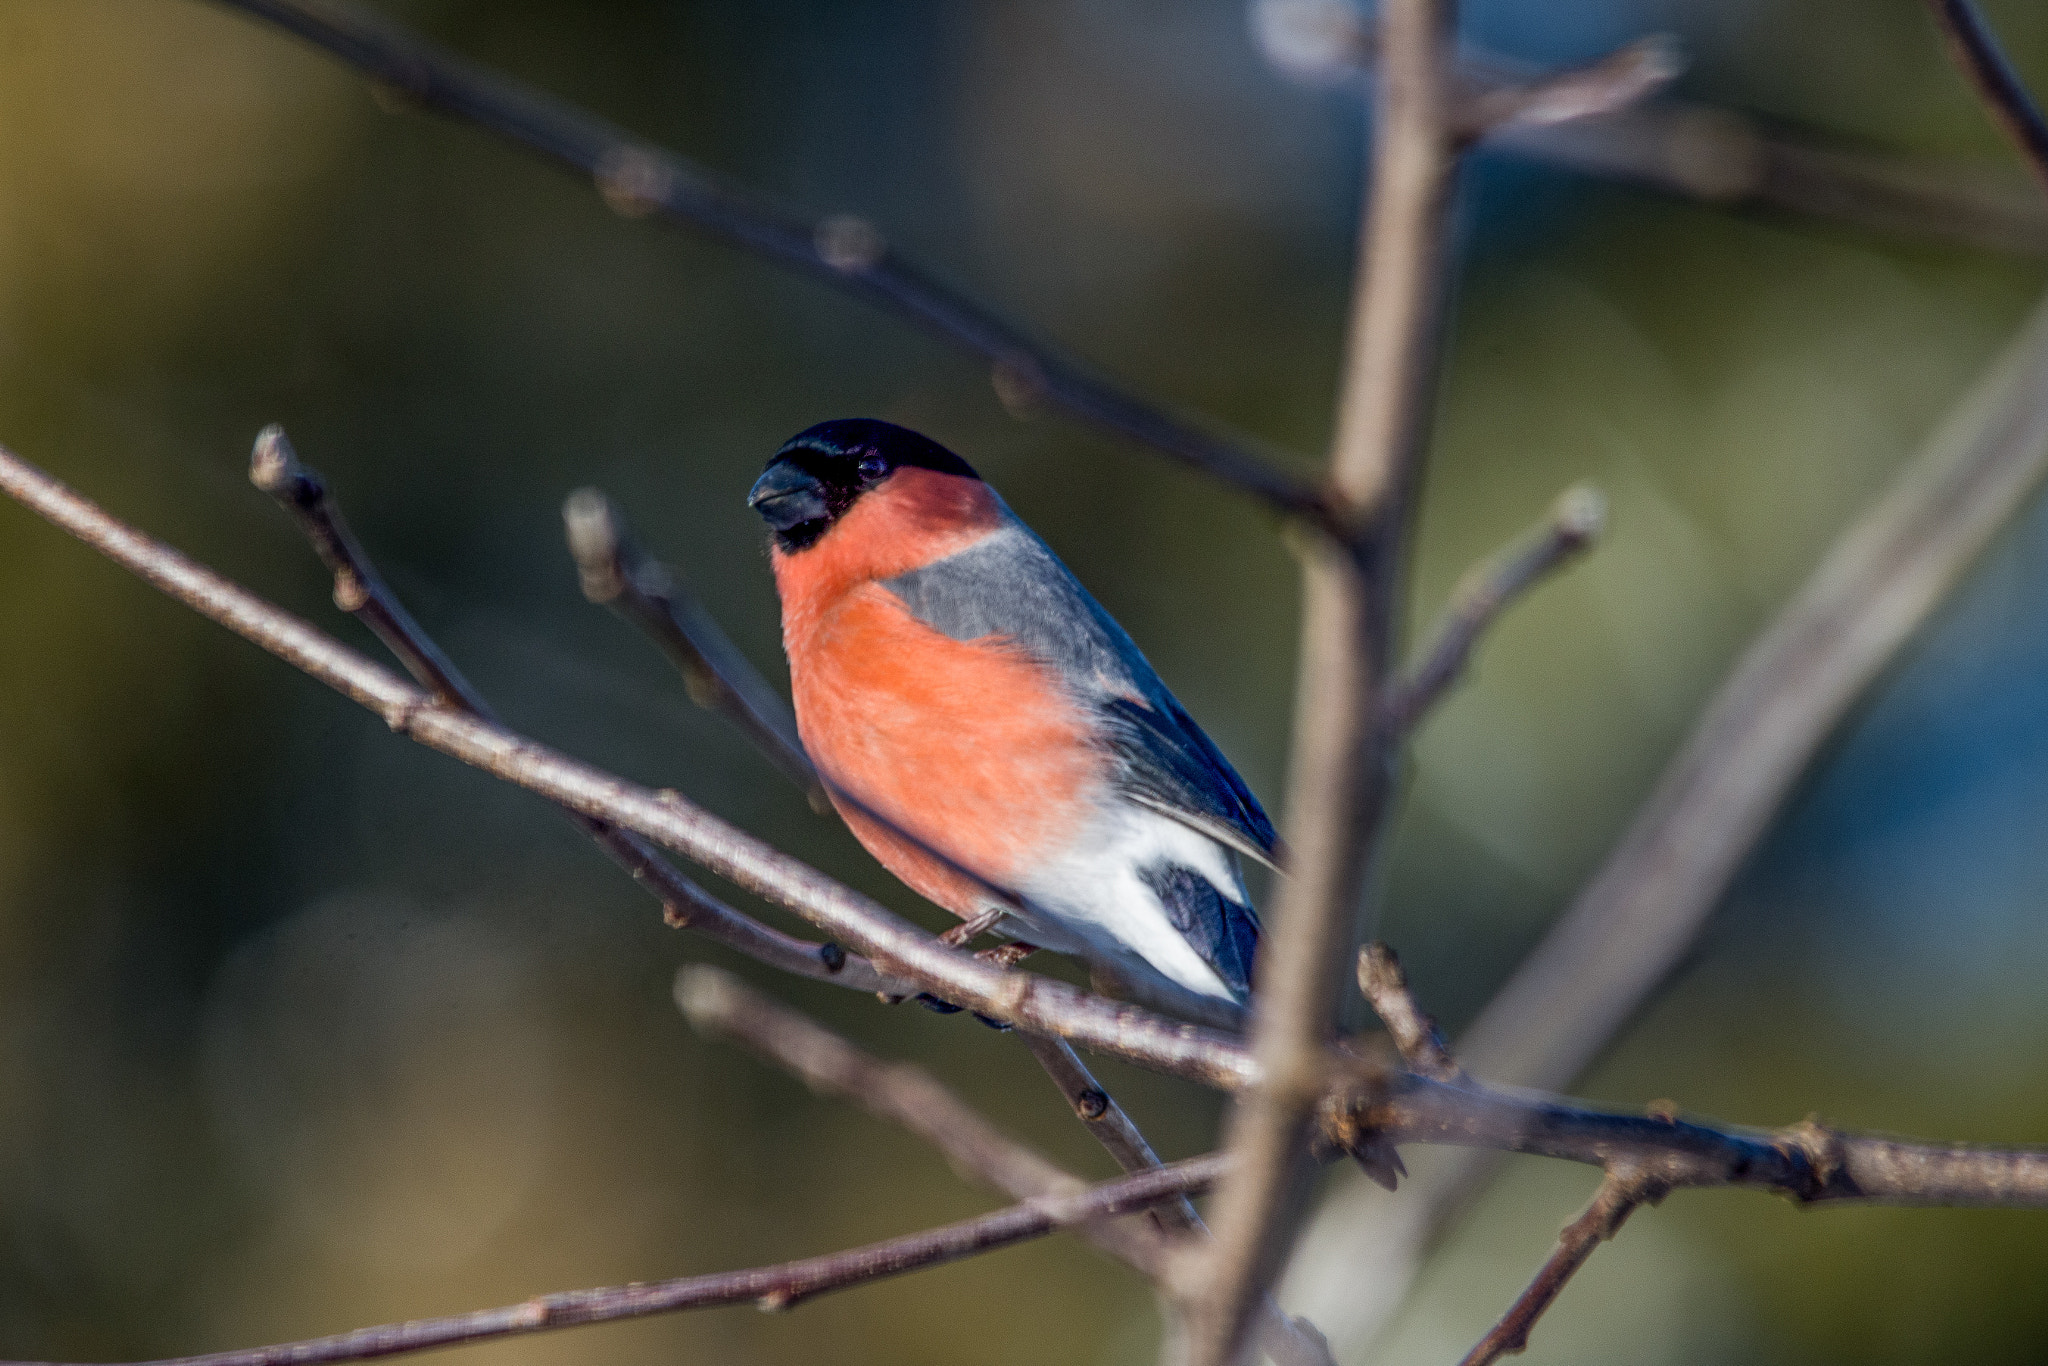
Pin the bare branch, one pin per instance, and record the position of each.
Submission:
(1341, 767)
(716, 1002)
(1616, 81)
(1421, 1043)
(1877, 584)
(640, 180)
(1696, 151)
(770, 1287)
(900, 949)
(1805, 1162)
(618, 574)
(1619, 1194)
(1975, 49)
(1105, 1119)
(361, 591)
(1485, 591)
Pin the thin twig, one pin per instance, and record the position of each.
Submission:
(1621, 1191)
(1341, 771)
(718, 1003)
(1975, 49)
(1870, 594)
(616, 573)
(1618, 80)
(1106, 1120)
(1485, 591)
(770, 1287)
(359, 590)
(641, 180)
(1420, 1042)
(1696, 151)
(1289, 1341)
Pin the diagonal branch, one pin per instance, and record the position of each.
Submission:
(617, 573)
(770, 1287)
(638, 179)
(1620, 1192)
(1975, 49)
(1485, 592)
(716, 1002)
(1106, 1120)
(1421, 1044)
(361, 591)
(1622, 78)
(1287, 1340)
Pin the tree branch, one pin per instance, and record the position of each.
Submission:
(1420, 1043)
(1622, 78)
(641, 180)
(1695, 151)
(1620, 1192)
(361, 591)
(1870, 594)
(1485, 592)
(1975, 49)
(770, 1287)
(716, 1002)
(1341, 768)
(616, 573)
(1106, 1120)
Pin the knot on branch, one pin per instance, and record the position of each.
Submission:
(1349, 1120)
(1817, 1153)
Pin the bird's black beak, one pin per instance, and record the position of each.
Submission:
(787, 496)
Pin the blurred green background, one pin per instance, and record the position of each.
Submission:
(303, 1027)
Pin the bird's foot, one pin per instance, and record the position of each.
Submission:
(972, 928)
(1004, 956)
(1007, 956)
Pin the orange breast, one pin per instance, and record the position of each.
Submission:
(969, 746)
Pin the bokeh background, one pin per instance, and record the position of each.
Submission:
(303, 1027)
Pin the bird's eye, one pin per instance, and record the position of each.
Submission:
(872, 466)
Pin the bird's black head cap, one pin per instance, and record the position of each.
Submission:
(820, 473)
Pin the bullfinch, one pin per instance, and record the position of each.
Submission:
(955, 684)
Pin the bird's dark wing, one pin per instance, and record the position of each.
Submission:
(1173, 768)
(1012, 585)
(1224, 932)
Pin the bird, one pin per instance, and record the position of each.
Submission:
(989, 732)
